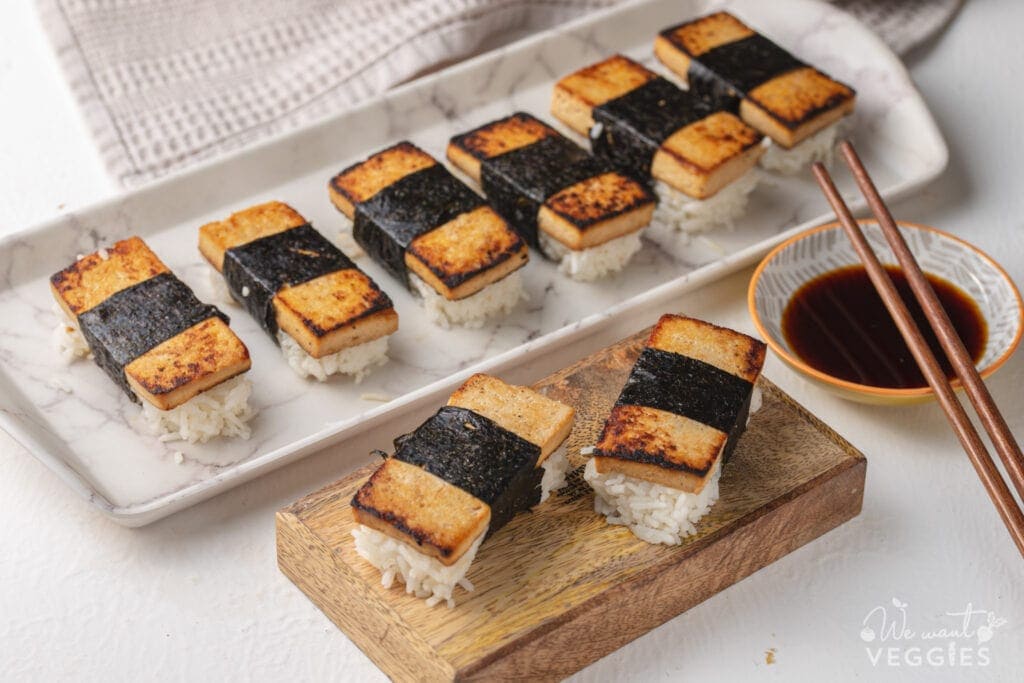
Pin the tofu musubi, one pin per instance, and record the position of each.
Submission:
(572, 207)
(701, 158)
(327, 316)
(656, 466)
(493, 451)
(433, 233)
(166, 349)
(793, 103)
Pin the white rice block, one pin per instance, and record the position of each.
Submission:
(678, 215)
(555, 467)
(223, 410)
(423, 576)
(497, 298)
(756, 401)
(654, 513)
(590, 264)
(356, 361)
(818, 147)
(67, 339)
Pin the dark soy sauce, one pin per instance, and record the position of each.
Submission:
(837, 323)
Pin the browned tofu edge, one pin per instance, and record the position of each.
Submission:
(543, 421)
(670, 47)
(683, 480)
(378, 505)
(694, 37)
(349, 293)
(629, 436)
(788, 133)
(74, 287)
(682, 174)
(361, 180)
(600, 199)
(374, 323)
(431, 255)
(574, 96)
(502, 135)
(197, 359)
(244, 226)
(726, 349)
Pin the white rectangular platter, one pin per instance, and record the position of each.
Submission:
(77, 422)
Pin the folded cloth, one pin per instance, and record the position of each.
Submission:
(164, 84)
(903, 24)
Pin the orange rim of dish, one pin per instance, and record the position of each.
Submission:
(797, 362)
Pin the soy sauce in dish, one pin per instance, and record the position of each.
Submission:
(837, 323)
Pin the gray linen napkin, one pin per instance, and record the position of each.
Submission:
(167, 83)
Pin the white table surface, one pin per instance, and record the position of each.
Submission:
(198, 596)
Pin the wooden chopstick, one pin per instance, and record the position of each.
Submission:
(1005, 445)
(986, 469)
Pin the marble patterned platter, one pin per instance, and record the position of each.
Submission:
(75, 420)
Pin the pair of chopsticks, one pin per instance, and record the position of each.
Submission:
(1005, 445)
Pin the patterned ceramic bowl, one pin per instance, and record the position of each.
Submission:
(825, 248)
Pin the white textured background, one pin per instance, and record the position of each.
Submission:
(198, 596)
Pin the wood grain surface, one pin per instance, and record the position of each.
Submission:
(558, 588)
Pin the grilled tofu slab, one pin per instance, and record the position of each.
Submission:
(145, 327)
(188, 363)
(95, 277)
(658, 446)
(646, 126)
(412, 215)
(540, 180)
(466, 470)
(684, 405)
(780, 96)
(292, 278)
(414, 506)
(462, 256)
(521, 410)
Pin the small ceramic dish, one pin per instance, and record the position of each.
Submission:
(823, 249)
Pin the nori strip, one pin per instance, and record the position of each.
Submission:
(633, 126)
(132, 321)
(519, 181)
(390, 220)
(737, 429)
(262, 267)
(686, 386)
(482, 458)
(736, 68)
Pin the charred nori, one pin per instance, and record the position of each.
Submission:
(736, 68)
(689, 387)
(256, 270)
(519, 181)
(476, 454)
(134, 320)
(390, 220)
(630, 128)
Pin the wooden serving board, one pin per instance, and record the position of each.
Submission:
(558, 588)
